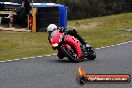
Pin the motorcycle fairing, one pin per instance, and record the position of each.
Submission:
(75, 42)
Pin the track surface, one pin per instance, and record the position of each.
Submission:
(48, 72)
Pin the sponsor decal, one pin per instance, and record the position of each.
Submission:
(83, 78)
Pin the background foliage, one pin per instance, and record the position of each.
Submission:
(79, 9)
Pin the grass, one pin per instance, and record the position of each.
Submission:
(98, 32)
(23, 45)
(102, 31)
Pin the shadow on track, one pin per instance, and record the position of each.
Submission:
(65, 60)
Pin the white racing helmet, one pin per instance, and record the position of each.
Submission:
(51, 27)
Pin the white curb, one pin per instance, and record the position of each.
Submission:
(54, 54)
(47, 55)
(32, 57)
(25, 58)
(2, 61)
(16, 59)
(9, 60)
(39, 56)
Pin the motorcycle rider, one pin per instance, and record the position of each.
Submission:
(72, 32)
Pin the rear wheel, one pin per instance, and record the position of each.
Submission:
(70, 54)
(92, 54)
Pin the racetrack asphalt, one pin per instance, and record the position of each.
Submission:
(49, 72)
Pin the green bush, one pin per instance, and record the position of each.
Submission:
(79, 9)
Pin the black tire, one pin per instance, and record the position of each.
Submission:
(92, 54)
(92, 57)
(69, 56)
(82, 80)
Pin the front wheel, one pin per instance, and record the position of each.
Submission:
(70, 54)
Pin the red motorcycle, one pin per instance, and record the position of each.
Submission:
(71, 47)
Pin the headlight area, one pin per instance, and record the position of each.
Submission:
(55, 45)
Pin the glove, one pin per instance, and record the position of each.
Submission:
(62, 29)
